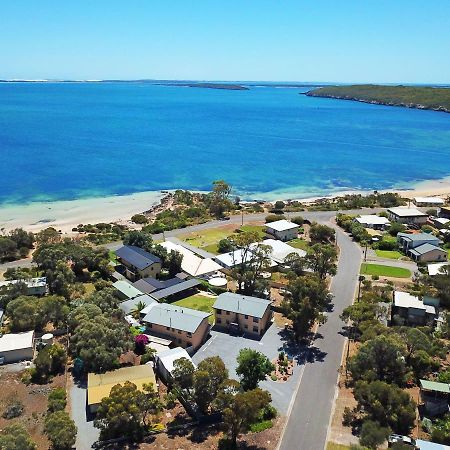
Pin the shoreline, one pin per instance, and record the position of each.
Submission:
(67, 214)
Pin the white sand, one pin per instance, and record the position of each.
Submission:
(64, 215)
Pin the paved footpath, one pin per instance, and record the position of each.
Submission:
(309, 419)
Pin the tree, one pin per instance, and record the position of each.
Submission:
(140, 239)
(22, 238)
(57, 400)
(55, 309)
(8, 249)
(225, 246)
(386, 404)
(208, 378)
(16, 437)
(173, 263)
(321, 259)
(183, 373)
(99, 342)
(253, 260)
(298, 220)
(25, 313)
(60, 430)
(381, 358)
(243, 411)
(321, 233)
(273, 218)
(140, 341)
(136, 311)
(252, 368)
(43, 366)
(221, 190)
(372, 434)
(58, 356)
(279, 204)
(306, 299)
(48, 236)
(295, 263)
(86, 311)
(126, 410)
(396, 228)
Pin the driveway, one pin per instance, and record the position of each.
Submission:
(87, 433)
(228, 347)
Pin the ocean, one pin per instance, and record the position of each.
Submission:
(64, 141)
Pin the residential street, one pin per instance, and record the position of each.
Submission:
(308, 422)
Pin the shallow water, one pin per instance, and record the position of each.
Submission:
(63, 141)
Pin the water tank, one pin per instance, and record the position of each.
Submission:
(47, 339)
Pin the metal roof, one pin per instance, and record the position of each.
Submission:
(435, 268)
(435, 386)
(126, 288)
(372, 219)
(176, 288)
(137, 257)
(429, 200)
(406, 212)
(16, 341)
(282, 225)
(242, 304)
(418, 237)
(425, 248)
(168, 357)
(427, 445)
(176, 317)
(150, 284)
(100, 385)
(129, 305)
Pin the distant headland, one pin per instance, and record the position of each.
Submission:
(420, 97)
(230, 87)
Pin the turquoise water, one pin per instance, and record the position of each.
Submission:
(63, 141)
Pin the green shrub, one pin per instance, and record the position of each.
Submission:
(260, 426)
(139, 219)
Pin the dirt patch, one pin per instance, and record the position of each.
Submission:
(34, 399)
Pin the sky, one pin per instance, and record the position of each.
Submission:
(384, 41)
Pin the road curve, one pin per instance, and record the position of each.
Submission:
(308, 421)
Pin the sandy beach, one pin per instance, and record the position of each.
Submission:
(65, 215)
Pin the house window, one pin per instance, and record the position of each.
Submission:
(189, 335)
(255, 329)
(255, 319)
(168, 328)
(246, 316)
(218, 311)
(228, 313)
(219, 320)
(179, 331)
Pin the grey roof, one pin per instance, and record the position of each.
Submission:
(418, 237)
(242, 304)
(126, 288)
(137, 257)
(425, 248)
(406, 212)
(176, 317)
(179, 287)
(129, 305)
(150, 284)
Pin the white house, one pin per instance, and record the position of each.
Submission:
(410, 216)
(428, 201)
(164, 361)
(373, 221)
(33, 286)
(414, 310)
(284, 230)
(15, 347)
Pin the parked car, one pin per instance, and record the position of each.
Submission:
(406, 440)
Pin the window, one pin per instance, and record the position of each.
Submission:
(189, 335)
(246, 316)
(255, 319)
(228, 313)
(219, 320)
(218, 311)
(179, 331)
(255, 330)
(168, 328)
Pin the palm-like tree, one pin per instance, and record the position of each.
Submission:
(136, 311)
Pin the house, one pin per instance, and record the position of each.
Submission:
(428, 201)
(444, 212)
(436, 268)
(149, 285)
(33, 286)
(138, 263)
(440, 222)
(126, 290)
(284, 230)
(164, 361)
(435, 397)
(185, 288)
(237, 257)
(427, 445)
(421, 247)
(15, 347)
(373, 221)
(250, 315)
(428, 252)
(129, 306)
(193, 265)
(184, 326)
(99, 385)
(407, 216)
(280, 250)
(414, 311)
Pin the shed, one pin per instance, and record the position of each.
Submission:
(165, 361)
(126, 290)
(15, 347)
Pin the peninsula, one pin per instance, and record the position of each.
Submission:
(420, 97)
(230, 87)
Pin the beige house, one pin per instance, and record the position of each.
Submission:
(407, 216)
(138, 263)
(184, 326)
(15, 347)
(249, 315)
(283, 230)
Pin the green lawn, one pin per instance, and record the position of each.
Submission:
(384, 271)
(255, 229)
(299, 243)
(390, 254)
(207, 239)
(333, 446)
(198, 302)
(112, 256)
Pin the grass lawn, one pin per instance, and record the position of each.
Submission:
(333, 446)
(255, 229)
(384, 271)
(390, 254)
(207, 239)
(112, 256)
(299, 243)
(198, 302)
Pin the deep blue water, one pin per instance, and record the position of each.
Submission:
(72, 140)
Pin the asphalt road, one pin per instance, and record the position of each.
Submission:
(309, 418)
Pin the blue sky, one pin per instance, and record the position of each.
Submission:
(288, 40)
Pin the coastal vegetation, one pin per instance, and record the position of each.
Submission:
(421, 97)
(358, 201)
